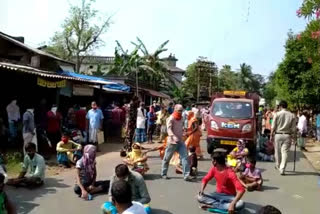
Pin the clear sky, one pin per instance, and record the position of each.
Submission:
(226, 31)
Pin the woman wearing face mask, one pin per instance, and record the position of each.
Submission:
(137, 159)
(68, 152)
(54, 119)
(86, 175)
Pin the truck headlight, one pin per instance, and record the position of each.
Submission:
(247, 128)
(214, 125)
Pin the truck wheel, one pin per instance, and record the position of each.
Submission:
(210, 148)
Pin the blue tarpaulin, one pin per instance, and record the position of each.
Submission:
(98, 80)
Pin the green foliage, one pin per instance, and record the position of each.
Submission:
(149, 68)
(309, 7)
(79, 35)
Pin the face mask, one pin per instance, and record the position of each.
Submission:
(31, 110)
(248, 165)
(54, 109)
(136, 150)
(31, 155)
(65, 139)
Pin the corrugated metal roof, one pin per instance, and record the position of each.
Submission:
(66, 75)
(40, 52)
(42, 73)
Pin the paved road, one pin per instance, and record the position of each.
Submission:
(295, 193)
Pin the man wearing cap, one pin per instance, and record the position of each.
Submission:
(175, 144)
(283, 132)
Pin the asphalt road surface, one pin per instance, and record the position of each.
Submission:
(295, 193)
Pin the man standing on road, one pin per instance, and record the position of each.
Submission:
(176, 144)
(94, 123)
(28, 131)
(283, 132)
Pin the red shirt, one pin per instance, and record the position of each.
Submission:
(81, 119)
(54, 121)
(117, 116)
(226, 181)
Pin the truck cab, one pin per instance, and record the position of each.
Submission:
(232, 117)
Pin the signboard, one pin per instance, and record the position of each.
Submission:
(51, 84)
(82, 90)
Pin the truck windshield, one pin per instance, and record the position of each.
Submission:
(238, 110)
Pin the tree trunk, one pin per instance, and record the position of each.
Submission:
(78, 63)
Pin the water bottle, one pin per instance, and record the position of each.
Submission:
(90, 197)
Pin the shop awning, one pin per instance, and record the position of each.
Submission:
(157, 93)
(99, 80)
(66, 76)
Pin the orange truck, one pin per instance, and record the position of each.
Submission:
(233, 116)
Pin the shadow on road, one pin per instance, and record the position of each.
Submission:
(264, 188)
(24, 198)
(251, 208)
(297, 173)
(159, 211)
(152, 177)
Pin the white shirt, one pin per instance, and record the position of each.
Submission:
(136, 208)
(13, 112)
(141, 118)
(196, 112)
(302, 124)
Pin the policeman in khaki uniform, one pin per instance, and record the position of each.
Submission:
(283, 132)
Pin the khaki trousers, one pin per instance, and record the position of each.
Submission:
(281, 148)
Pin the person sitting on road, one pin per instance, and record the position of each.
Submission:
(252, 178)
(138, 186)
(137, 159)
(35, 164)
(269, 210)
(68, 151)
(121, 200)
(5, 204)
(237, 157)
(229, 189)
(86, 175)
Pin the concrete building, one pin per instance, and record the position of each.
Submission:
(93, 64)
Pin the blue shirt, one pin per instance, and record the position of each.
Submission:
(95, 117)
(318, 120)
(151, 118)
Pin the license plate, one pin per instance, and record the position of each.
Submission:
(228, 142)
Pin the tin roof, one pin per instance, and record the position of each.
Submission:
(35, 50)
(65, 75)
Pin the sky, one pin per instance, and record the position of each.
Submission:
(225, 31)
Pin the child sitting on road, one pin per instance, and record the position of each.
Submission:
(237, 157)
(251, 178)
(193, 161)
(137, 159)
(5, 204)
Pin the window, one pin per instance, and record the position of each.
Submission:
(231, 109)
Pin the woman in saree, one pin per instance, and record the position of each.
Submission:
(194, 134)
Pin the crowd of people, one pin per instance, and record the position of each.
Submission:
(180, 133)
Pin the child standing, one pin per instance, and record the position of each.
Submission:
(252, 178)
(5, 204)
(193, 161)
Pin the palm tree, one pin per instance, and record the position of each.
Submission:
(159, 73)
(245, 76)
